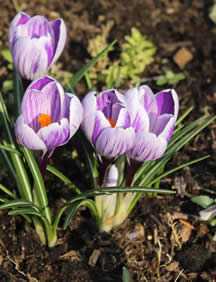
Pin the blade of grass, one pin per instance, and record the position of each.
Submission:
(65, 179)
(39, 183)
(87, 66)
(22, 176)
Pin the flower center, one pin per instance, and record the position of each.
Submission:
(112, 122)
(44, 120)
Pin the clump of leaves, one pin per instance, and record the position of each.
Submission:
(7, 85)
(170, 78)
(136, 53)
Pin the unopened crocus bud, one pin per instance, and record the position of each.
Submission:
(49, 116)
(106, 123)
(35, 44)
(153, 117)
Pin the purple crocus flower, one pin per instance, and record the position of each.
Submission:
(35, 44)
(106, 123)
(153, 118)
(49, 117)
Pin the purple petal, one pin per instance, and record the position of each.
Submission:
(138, 114)
(47, 101)
(38, 26)
(100, 124)
(110, 102)
(123, 119)
(166, 127)
(41, 82)
(60, 36)
(147, 146)
(89, 111)
(76, 113)
(19, 19)
(55, 134)
(32, 61)
(167, 101)
(26, 135)
(147, 99)
(113, 142)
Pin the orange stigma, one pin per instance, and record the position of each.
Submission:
(44, 120)
(112, 122)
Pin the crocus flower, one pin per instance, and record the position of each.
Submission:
(153, 118)
(35, 44)
(106, 123)
(49, 117)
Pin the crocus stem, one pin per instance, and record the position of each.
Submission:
(44, 162)
(25, 83)
(131, 170)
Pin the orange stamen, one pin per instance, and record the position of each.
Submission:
(44, 120)
(112, 122)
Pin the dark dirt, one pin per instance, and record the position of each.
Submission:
(165, 249)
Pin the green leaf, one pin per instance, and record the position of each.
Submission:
(86, 67)
(7, 86)
(65, 179)
(39, 183)
(203, 200)
(125, 275)
(6, 54)
(9, 149)
(22, 176)
(177, 168)
(7, 191)
(73, 209)
(24, 211)
(13, 204)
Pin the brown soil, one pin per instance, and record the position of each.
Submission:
(165, 249)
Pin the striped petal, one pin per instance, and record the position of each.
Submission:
(60, 35)
(167, 101)
(76, 113)
(89, 114)
(19, 19)
(27, 136)
(147, 146)
(55, 134)
(113, 142)
(32, 61)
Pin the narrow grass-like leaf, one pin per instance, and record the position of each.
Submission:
(177, 168)
(9, 149)
(64, 178)
(18, 89)
(19, 204)
(9, 164)
(185, 130)
(88, 81)
(39, 183)
(7, 191)
(73, 209)
(184, 115)
(86, 67)
(22, 176)
(90, 159)
(24, 211)
(150, 173)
